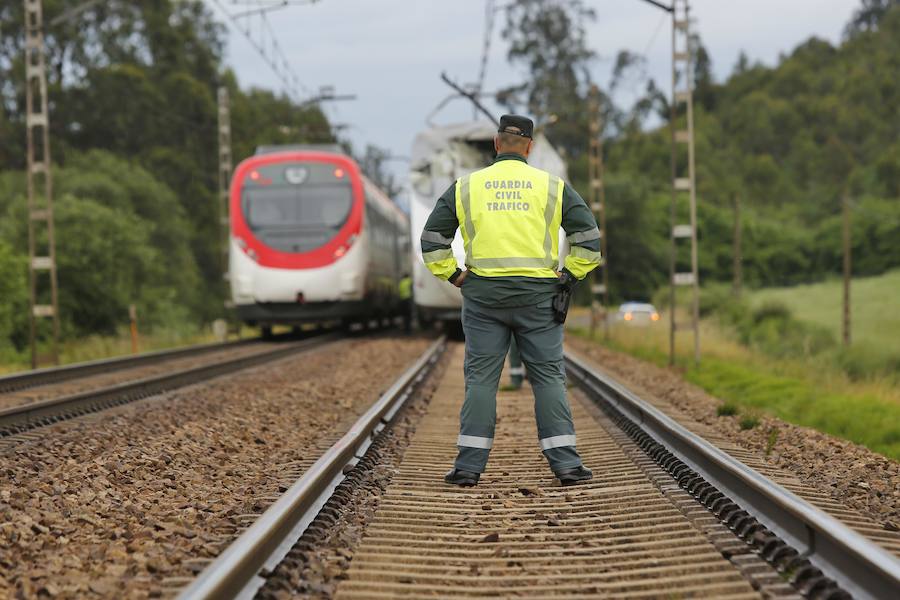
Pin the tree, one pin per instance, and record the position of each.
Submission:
(704, 81)
(742, 65)
(122, 238)
(868, 16)
(139, 80)
(791, 139)
(374, 164)
(548, 38)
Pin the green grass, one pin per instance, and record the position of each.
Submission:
(749, 420)
(796, 392)
(727, 409)
(771, 440)
(862, 418)
(875, 318)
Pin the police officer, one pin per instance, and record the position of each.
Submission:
(404, 294)
(510, 214)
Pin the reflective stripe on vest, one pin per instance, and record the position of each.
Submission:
(435, 237)
(436, 255)
(579, 236)
(520, 208)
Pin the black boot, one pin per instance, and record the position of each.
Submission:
(461, 478)
(573, 475)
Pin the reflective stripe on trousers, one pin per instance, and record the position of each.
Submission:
(474, 441)
(557, 441)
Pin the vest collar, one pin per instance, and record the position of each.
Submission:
(509, 156)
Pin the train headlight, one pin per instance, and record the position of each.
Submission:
(296, 175)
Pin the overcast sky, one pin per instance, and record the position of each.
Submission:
(390, 53)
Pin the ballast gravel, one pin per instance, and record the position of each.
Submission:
(119, 505)
(851, 474)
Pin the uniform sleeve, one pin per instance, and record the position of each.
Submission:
(582, 234)
(438, 235)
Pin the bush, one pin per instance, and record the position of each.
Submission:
(121, 239)
(772, 329)
(13, 301)
(716, 298)
(860, 362)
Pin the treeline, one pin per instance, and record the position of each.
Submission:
(132, 92)
(787, 142)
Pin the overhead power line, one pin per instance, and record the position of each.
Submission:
(489, 12)
(73, 12)
(264, 41)
(662, 20)
(263, 6)
(665, 7)
(473, 98)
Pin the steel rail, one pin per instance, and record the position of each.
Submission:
(856, 564)
(38, 377)
(235, 573)
(18, 419)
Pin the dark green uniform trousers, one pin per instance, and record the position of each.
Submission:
(539, 338)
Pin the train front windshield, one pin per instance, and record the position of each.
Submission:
(296, 207)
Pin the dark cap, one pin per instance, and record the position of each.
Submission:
(517, 125)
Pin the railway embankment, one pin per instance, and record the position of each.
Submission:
(848, 473)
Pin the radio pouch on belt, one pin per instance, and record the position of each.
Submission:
(561, 304)
(563, 297)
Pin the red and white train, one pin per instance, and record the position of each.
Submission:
(313, 240)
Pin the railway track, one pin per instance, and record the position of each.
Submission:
(667, 515)
(47, 376)
(132, 382)
(264, 544)
(142, 495)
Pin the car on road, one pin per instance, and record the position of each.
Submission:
(637, 313)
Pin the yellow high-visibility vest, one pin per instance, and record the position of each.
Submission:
(509, 214)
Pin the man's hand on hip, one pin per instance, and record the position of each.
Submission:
(460, 278)
(566, 279)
